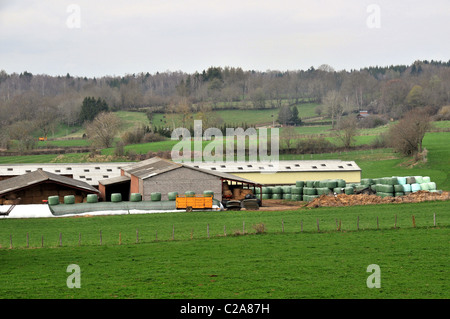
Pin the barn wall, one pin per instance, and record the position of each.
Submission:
(181, 180)
(292, 177)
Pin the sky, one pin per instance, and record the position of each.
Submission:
(118, 37)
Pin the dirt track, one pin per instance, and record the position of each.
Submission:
(342, 200)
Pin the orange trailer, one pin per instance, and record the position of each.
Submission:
(195, 202)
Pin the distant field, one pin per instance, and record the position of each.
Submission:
(277, 264)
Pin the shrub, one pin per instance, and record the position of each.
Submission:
(260, 228)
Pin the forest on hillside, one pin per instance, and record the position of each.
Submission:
(38, 101)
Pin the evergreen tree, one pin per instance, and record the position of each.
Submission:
(91, 107)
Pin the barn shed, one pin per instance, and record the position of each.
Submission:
(157, 175)
(287, 172)
(34, 187)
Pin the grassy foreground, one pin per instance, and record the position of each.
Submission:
(291, 264)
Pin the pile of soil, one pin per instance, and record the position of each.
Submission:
(363, 199)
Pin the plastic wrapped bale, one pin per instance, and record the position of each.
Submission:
(208, 193)
(407, 188)
(341, 183)
(415, 187)
(410, 180)
(366, 181)
(266, 190)
(277, 196)
(189, 194)
(277, 190)
(69, 199)
(53, 200)
(92, 198)
(296, 190)
(383, 194)
(384, 188)
(349, 190)
(266, 196)
(338, 190)
(300, 184)
(309, 184)
(419, 179)
(424, 187)
(323, 191)
(309, 191)
(287, 196)
(296, 197)
(155, 197)
(401, 180)
(398, 188)
(172, 196)
(116, 197)
(432, 186)
(286, 189)
(398, 194)
(135, 197)
(426, 179)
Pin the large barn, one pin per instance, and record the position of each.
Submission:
(287, 172)
(37, 186)
(157, 175)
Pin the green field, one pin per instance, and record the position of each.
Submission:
(293, 264)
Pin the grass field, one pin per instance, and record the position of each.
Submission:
(276, 264)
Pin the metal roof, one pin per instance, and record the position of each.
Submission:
(157, 165)
(114, 180)
(90, 173)
(39, 176)
(280, 166)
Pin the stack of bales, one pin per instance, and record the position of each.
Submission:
(315, 189)
(398, 186)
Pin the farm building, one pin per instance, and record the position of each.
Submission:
(157, 175)
(34, 187)
(90, 173)
(287, 172)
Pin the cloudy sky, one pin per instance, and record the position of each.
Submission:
(118, 37)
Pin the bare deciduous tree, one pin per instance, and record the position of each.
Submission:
(102, 130)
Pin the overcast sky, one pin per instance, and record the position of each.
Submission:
(118, 37)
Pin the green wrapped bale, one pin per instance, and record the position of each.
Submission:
(208, 193)
(310, 184)
(432, 186)
(287, 190)
(419, 179)
(323, 191)
(300, 184)
(349, 190)
(277, 196)
(266, 190)
(407, 188)
(266, 196)
(135, 197)
(415, 187)
(398, 188)
(426, 179)
(189, 194)
(296, 190)
(384, 188)
(341, 183)
(383, 194)
(277, 190)
(287, 196)
(398, 194)
(53, 200)
(69, 199)
(155, 197)
(309, 191)
(401, 180)
(172, 196)
(92, 198)
(116, 197)
(424, 187)
(338, 190)
(366, 181)
(297, 197)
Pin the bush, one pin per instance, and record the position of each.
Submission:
(260, 228)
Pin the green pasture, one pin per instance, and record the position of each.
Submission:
(291, 260)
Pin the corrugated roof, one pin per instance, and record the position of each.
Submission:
(280, 166)
(39, 176)
(157, 165)
(114, 180)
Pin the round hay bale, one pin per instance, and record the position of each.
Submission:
(419, 179)
(401, 180)
(366, 181)
(323, 191)
(135, 197)
(432, 186)
(424, 187)
(338, 190)
(287, 190)
(296, 197)
(415, 187)
(407, 188)
(426, 179)
(398, 188)
(266, 196)
(309, 191)
(296, 190)
(341, 183)
(265, 190)
(287, 196)
(300, 184)
(276, 196)
(116, 197)
(277, 190)
(189, 193)
(309, 184)
(172, 196)
(410, 180)
(69, 199)
(155, 197)
(92, 198)
(349, 190)
(53, 200)
(332, 184)
(208, 193)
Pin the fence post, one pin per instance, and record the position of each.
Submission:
(10, 242)
(100, 237)
(156, 236)
(120, 238)
(301, 226)
(282, 225)
(318, 228)
(378, 225)
(192, 233)
(60, 239)
(434, 219)
(137, 236)
(224, 230)
(243, 227)
(414, 221)
(28, 241)
(207, 229)
(42, 241)
(357, 223)
(173, 232)
(395, 224)
(79, 239)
